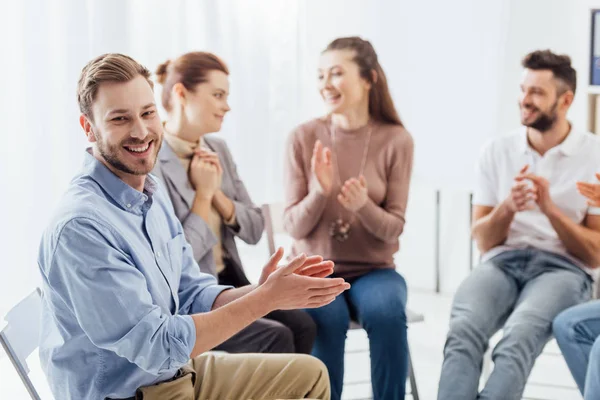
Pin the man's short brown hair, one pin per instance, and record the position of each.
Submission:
(559, 64)
(111, 67)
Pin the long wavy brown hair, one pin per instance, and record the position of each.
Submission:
(381, 105)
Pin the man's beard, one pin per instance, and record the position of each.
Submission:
(545, 121)
(110, 154)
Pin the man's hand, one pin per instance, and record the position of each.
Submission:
(521, 194)
(313, 266)
(541, 188)
(591, 191)
(354, 194)
(287, 289)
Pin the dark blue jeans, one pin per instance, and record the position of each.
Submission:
(377, 301)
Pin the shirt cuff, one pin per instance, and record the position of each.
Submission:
(593, 211)
(485, 201)
(184, 338)
(205, 300)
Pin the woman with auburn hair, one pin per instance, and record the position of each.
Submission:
(347, 181)
(209, 197)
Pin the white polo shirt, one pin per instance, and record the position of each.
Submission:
(577, 158)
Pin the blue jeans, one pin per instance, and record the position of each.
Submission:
(521, 291)
(378, 301)
(577, 332)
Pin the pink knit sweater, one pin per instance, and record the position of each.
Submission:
(377, 226)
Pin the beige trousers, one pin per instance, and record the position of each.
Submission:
(223, 376)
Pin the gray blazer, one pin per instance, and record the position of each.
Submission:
(249, 218)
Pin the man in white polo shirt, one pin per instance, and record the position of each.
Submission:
(538, 236)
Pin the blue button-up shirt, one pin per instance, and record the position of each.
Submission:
(119, 283)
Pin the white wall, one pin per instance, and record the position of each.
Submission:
(453, 69)
(560, 25)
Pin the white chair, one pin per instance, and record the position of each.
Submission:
(20, 336)
(273, 214)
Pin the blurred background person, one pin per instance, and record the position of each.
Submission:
(347, 181)
(209, 197)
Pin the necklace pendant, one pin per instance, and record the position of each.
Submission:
(339, 230)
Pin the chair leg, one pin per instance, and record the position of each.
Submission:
(20, 370)
(413, 380)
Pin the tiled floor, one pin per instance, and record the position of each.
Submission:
(426, 341)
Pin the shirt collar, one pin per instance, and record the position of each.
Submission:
(167, 153)
(571, 143)
(124, 195)
(181, 147)
(568, 147)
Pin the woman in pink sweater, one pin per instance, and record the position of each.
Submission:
(347, 180)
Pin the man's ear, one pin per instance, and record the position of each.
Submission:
(568, 97)
(85, 123)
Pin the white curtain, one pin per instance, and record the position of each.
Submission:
(442, 60)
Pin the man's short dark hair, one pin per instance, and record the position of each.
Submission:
(559, 64)
(111, 67)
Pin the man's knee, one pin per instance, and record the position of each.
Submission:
(563, 326)
(310, 377)
(466, 335)
(313, 367)
(522, 343)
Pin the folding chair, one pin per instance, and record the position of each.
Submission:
(20, 336)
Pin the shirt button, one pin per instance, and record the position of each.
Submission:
(128, 205)
(158, 254)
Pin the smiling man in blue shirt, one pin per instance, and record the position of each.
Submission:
(126, 311)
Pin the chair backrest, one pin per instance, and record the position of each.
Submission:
(20, 337)
(273, 214)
